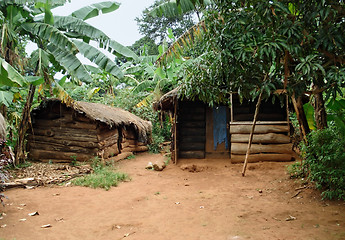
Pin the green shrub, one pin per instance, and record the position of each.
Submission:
(325, 161)
(103, 177)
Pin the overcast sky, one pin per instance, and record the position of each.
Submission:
(118, 25)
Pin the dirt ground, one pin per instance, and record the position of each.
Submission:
(214, 202)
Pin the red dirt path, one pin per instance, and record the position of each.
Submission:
(215, 203)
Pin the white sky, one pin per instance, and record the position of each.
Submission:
(118, 25)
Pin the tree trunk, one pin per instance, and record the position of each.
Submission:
(23, 126)
(302, 119)
(319, 109)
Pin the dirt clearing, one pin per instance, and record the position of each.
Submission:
(197, 199)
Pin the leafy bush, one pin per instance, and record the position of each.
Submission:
(102, 177)
(325, 161)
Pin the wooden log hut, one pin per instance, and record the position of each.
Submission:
(200, 131)
(83, 130)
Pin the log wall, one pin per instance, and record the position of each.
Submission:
(61, 135)
(270, 143)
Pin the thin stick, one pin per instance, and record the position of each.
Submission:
(252, 133)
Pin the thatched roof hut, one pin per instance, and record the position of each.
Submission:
(84, 130)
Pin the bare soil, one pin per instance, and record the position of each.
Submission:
(209, 199)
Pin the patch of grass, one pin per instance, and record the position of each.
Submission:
(131, 157)
(103, 177)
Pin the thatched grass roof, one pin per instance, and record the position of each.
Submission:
(166, 102)
(111, 116)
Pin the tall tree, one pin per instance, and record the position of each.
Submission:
(255, 44)
(156, 26)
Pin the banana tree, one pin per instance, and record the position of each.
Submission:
(59, 39)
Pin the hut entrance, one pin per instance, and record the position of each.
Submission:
(217, 134)
(191, 129)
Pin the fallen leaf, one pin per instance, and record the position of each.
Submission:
(33, 214)
(3, 226)
(46, 226)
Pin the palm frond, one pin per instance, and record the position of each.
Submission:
(95, 9)
(99, 58)
(71, 63)
(50, 34)
(186, 40)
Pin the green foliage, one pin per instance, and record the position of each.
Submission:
(155, 27)
(325, 161)
(102, 177)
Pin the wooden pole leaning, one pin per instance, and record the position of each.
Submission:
(252, 133)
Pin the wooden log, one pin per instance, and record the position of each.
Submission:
(135, 149)
(130, 134)
(125, 144)
(110, 133)
(261, 158)
(60, 147)
(119, 157)
(241, 148)
(65, 142)
(245, 129)
(108, 141)
(63, 122)
(261, 138)
(68, 133)
(45, 154)
(110, 151)
(261, 117)
(192, 154)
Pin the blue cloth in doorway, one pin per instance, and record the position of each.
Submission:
(219, 127)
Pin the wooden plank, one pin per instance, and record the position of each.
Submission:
(192, 132)
(262, 158)
(192, 154)
(192, 146)
(190, 124)
(245, 129)
(192, 139)
(241, 148)
(261, 138)
(191, 117)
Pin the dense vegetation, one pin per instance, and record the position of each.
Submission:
(244, 46)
